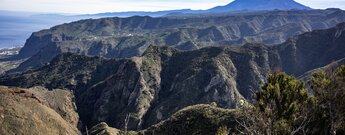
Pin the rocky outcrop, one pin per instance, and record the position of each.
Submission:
(127, 37)
(103, 129)
(23, 112)
(198, 119)
(61, 101)
(148, 89)
(202, 119)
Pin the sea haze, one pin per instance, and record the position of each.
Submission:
(16, 27)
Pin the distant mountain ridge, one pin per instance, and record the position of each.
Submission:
(238, 5)
(126, 37)
(11, 36)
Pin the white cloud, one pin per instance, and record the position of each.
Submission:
(97, 6)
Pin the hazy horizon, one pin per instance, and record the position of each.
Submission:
(101, 6)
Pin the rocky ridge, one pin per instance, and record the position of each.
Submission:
(127, 37)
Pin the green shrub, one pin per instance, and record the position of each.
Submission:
(329, 90)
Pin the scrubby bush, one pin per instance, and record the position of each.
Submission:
(329, 90)
(280, 107)
(284, 106)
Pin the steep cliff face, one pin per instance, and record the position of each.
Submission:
(163, 80)
(126, 37)
(26, 111)
(150, 88)
(146, 89)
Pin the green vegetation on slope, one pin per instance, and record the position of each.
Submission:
(203, 119)
(329, 90)
(284, 107)
(198, 119)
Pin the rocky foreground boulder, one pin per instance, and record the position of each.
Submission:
(37, 111)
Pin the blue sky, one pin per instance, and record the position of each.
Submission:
(98, 6)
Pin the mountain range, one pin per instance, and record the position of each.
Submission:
(164, 80)
(236, 5)
(16, 27)
(127, 37)
(184, 72)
